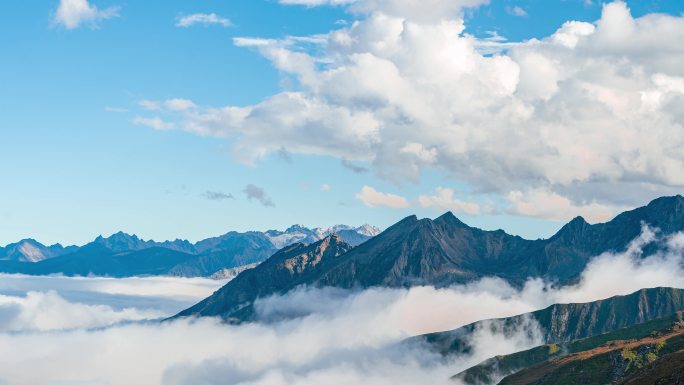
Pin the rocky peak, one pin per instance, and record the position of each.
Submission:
(576, 227)
(450, 220)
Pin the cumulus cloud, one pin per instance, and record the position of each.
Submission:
(203, 18)
(541, 203)
(406, 89)
(444, 200)
(373, 198)
(338, 337)
(259, 194)
(217, 195)
(72, 13)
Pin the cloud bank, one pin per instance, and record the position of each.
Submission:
(43, 303)
(562, 121)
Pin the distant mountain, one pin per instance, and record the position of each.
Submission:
(301, 234)
(446, 251)
(30, 250)
(123, 255)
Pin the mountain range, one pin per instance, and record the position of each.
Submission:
(122, 255)
(440, 253)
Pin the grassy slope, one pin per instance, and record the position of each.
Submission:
(489, 370)
(643, 354)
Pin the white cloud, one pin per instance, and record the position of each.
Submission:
(326, 187)
(179, 104)
(516, 11)
(373, 198)
(405, 90)
(73, 13)
(203, 18)
(43, 311)
(44, 303)
(155, 122)
(542, 203)
(444, 200)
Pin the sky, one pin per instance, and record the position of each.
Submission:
(187, 119)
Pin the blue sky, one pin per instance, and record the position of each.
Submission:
(74, 164)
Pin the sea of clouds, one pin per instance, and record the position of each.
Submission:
(58, 330)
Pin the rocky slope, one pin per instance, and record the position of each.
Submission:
(289, 267)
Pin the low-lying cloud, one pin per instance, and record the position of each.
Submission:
(337, 336)
(42, 303)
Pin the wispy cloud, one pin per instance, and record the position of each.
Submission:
(116, 109)
(175, 104)
(155, 122)
(516, 11)
(217, 195)
(204, 19)
(258, 194)
(73, 13)
(353, 167)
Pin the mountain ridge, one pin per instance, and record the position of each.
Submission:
(446, 251)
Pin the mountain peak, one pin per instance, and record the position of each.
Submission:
(368, 230)
(296, 228)
(121, 241)
(448, 218)
(573, 228)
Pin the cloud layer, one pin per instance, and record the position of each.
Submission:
(575, 116)
(44, 303)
